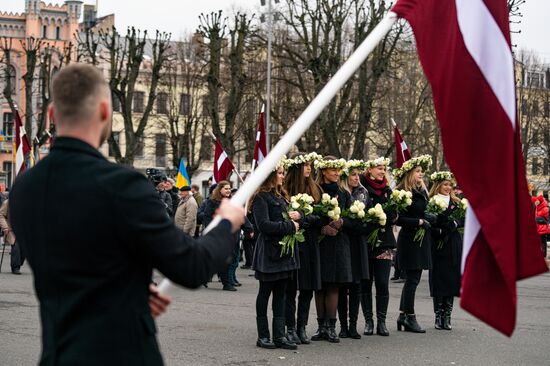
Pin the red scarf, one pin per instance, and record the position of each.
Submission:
(377, 185)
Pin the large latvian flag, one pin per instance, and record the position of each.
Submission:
(464, 48)
(260, 146)
(222, 164)
(402, 152)
(22, 146)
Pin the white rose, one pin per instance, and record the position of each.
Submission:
(371, 212)
(334, 201)
(337, 210)
(383, 222)
(295, 205)
(330, 214)
(293, 199)
(325, 197)
(361, 206)
(336, 217)
(409, 201)
(353, 209)
(361, 214)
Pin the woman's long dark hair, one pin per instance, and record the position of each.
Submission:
(295, 182)
(269, 185)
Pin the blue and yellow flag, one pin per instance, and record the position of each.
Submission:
(183, 178)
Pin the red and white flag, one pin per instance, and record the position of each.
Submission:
(402, 151)
(464, 48)
(260, 146)
(21, 145)
(222, 164)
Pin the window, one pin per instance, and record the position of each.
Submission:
(138, 101)
(160, 149)
(546, 109)
(535, 109)
(140, 147)
(535, 138)
(12, 79)
(44, 31)
(185, 104)
(535, 166)
(7, 167)
(116, 137)
(162, 102)
(7, 124)
(57, 33)
(545, 167)
(205, 104)
(534, 79)
(206, 147)
(523, 106)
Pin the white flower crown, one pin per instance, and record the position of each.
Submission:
(302, 159)
(424, 161)
(377, 162)
(441, 176)
(354, 164)
(326, 164)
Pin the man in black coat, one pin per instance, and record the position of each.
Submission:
(93, 232)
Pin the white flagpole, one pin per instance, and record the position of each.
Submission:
(304, 121)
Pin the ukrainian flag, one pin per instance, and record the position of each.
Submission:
(183, 178)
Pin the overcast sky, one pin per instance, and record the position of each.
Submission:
(181, 16)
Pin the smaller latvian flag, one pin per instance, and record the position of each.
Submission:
(22, 146)
(222, 164)
(260, 146)
(182, 179)
(401, 149)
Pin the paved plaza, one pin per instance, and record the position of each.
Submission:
(214, 327)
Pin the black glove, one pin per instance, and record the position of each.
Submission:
(430, 217)
(426, 225)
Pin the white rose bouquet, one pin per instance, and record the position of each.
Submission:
(356, 211)
(436, 205)
(376, 216)
(399, 200)
(328, 207)
(302, 203)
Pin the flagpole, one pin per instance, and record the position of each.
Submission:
(304, 121)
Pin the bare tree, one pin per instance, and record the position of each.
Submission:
(126, 60)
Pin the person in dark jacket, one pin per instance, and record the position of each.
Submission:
(173, 191)
(95, 305)
(413, 255)
(299, 179)
(159, 181)
(334, 250)
(273, 267)
(350, 294)
(380, 256)
(445, 274)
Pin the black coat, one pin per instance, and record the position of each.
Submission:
(445, 275)
(335, 252)
(412, 254)
(358, 240)
(309, 274)
(93, 231)
(385, 237)
(208, 209)
(272, 227)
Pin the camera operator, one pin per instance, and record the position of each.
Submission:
(159, 181)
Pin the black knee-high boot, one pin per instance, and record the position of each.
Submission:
(354, 300)
(438, 310)
(343, 312)
(381, 311)
(366, 304)
(448, 309)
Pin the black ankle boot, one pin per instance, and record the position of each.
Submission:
(400, 321)
(411, 325)
(381, 311)
(353, 330)
(302, 334)
(279, 338)
(263, 333)
(438, 310)
(344, 330)
(332, 337)
(292, 336)
(321, 333)
(448, 309)
(366, 304)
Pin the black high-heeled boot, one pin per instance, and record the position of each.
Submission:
(304, 339)
(448, 309)
(366, 304)
(321, 333)
(264, 340)
(381, 311)
(332, 337)
(438, 310)
(400, 321)
(279, 338)
(411, 325)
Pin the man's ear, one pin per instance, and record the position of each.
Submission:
(51, 113)
(104, 110)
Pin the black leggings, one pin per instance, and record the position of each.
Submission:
(409, 290)
(379, 271)
(351, 291)
(326, 300)
(278, 301)
(304, 303)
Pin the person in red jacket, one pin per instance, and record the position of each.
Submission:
(541, 216)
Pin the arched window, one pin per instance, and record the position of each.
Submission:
(12, 79)
(57, 32)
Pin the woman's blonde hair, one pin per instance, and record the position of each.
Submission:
(408, 183)
(436, 187)
(269, 185)
(319, 179)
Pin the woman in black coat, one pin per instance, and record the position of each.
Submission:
(359, 254)
(334, 250)
(380, 256)
(445, 274)
(413, 256)
(299, 179)
(273, 268)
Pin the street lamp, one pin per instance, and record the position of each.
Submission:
(269, 15)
